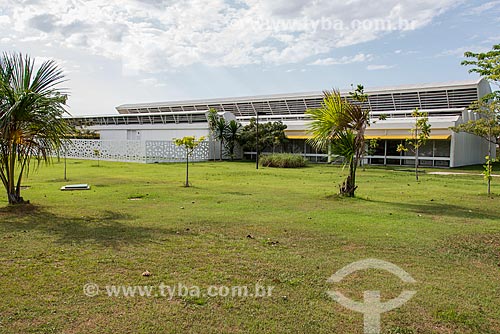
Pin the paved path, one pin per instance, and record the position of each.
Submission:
(458, 173)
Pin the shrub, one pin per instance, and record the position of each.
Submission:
(283, 160)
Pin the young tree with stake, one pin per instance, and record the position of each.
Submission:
(420, 133)
(189, 143)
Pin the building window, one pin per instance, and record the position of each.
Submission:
(442, 163)
(442, 148)
(380, 149)
(392, 148)
(426, 150)
(133, 135)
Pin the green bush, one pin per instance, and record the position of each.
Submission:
(283, 160)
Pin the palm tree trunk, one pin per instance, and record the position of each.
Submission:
(14, 188)
(214, 146)
(352, 176)
(12, 194)
(3, 178)
(19, 179)
(221, 143)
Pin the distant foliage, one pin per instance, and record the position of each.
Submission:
(82, 134)
(271, 136)
(487, 64)
(227, 133)
(283, 160)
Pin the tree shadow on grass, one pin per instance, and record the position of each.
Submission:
(451, 210)
(109, 228)
(442, 209)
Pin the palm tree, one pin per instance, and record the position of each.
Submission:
(220, 130)
(31, 126)
(232, 133)
(212, 118)
(342, 124)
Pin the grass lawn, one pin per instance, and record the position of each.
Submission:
(238, 227)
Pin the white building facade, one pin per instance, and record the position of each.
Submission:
(446, 104)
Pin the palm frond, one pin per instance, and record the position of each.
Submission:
(344, 145)
(31, 106)
(335, 115)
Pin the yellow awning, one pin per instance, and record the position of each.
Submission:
(435, 137)
(301, 134)
(297, 134)
(298, 137)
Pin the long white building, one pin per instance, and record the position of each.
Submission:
(447, 105)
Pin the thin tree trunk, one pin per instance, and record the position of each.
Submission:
(489, 184)
(187, 169)
(416, 145)
(65, 165)
(489, 167)
(416, 163)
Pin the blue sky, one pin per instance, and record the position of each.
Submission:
(131, 51)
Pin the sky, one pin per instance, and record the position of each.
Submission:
(117, 52)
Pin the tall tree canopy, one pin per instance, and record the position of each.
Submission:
(271, 135)
(31, 127)
(487, 126)
(487, 64)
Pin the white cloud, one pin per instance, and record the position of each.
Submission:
(4, 20)
(459, 52)
(360, 57)
(488, 6)
(67, 65)
(151, 36)
(493, 39)
(152, 82)
(379, 67)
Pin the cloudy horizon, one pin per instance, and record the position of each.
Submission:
(131, 51)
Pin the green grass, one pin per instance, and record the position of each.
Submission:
(239, 226)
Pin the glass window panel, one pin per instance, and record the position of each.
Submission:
(442, 148)
(392, 147)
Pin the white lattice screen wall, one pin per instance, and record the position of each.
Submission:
(133, 151)
(167, 151)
